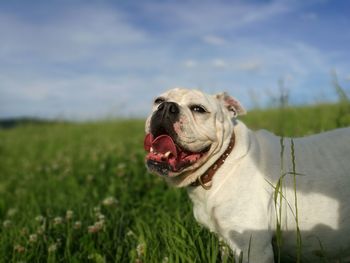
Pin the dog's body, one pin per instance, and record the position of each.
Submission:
(241, 201)
(242, 204)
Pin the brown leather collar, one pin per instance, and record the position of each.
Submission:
(208, 175)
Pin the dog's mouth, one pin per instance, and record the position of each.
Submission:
(168, 158)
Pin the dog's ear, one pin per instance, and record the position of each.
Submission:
(233, 105)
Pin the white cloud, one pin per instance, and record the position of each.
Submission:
(70, 37)
(219, 63)
(250, 65)
(210, 17)
(310, 16)
(190, 63)
(214, 40)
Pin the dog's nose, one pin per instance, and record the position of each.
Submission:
(163, 119)
(170, 108)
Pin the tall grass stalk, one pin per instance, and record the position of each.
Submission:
(342, 96)
(249, 247)
(322, 252)
(278, 196)
(298, 234)
(343, 115)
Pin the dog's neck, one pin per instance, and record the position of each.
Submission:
(208, 175)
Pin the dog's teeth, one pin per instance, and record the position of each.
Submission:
(151, 150)
(167, 154)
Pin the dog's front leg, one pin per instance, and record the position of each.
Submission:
(255, 246)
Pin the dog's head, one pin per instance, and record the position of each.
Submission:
(187, 131)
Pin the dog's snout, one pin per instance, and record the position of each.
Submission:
(170, 108)
(164, 117)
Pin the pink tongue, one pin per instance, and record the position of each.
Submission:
(164, 144)
(161, 144)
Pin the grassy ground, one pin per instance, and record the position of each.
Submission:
(81, 193)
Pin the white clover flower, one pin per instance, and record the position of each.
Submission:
(77, 225)
(19, 249)
(33, 238)
(130, 233)
(39, 218)
(140, 249)
(7, 223)
(11, 212)
(99, 224)
(93, 229)
(96, 227)
(24, 231)
(40, 230)
(109, 201)
(121, 165)
(121, 169)
(101, 217)
(52, 248)
(57, 220)
(69, 214)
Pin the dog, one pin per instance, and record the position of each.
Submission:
(246, 186)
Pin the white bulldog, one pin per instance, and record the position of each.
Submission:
(241, 188)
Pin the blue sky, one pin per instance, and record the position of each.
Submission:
(91, 59)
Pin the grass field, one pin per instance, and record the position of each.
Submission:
(80, 192)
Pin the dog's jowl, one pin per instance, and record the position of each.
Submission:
(234, 177)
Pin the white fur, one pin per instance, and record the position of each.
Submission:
(240, 203)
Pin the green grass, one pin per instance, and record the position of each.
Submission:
(117, 212)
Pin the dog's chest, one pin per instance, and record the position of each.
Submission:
(202, 208)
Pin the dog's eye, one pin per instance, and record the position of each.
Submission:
(198, 108)
(159, 100)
